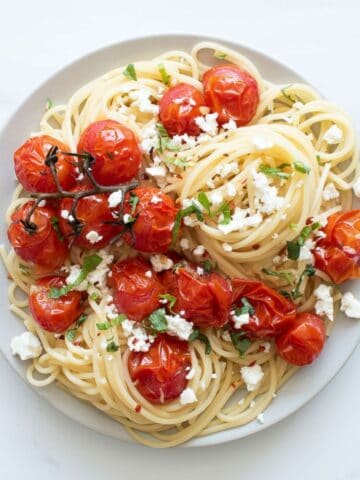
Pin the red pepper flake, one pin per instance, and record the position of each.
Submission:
(98, 334)
(256, 246)
(261, 348)
(233, 385)
(252, 363)
(77, 343)
(138, 408)
(9, 277)
(62, 337)
(309, 221)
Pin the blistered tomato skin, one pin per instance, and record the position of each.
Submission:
(54, 314)
(274, 313)
(338, 254)
(99, 221)
(205, 299)
(42, 245)
(154, 215)
(160, 373)
(136, 288)
(32, 172)
(179, 107)
(115, 149)
(232, 93)
(304, 341)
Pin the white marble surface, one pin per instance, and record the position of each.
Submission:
(320, 39)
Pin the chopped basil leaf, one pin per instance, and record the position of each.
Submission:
(171, 300)
(293, 250)
(81, 320)
(182, 214)
(240, 342)
(71, 334)
(112, 347)
(204, 200)
(177, 161)
(130, 72)
(49, 103)
(294, 246)
(207, 266)
(197, 335)
(90, 264)
(164, 139)
(309, 271)
(294, 226)
(134, 200)
(113, 323)
(158, 320)
(301, 167)
(274, 172)
(225, 210)
(94, 296)
(246, 307)
(219, 55)
(283, 275)
(55, 223)
(164, 75)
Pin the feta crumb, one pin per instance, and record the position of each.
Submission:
(213, 375)
(231, 189)
(306, 255)
(159, 171)
(277, 260)
(184, 243)
(190, 374)
(266, 195)
(356, 187)
(330, 192)
(208, 123)
(261, 143)
(127, 218)
(260, 418)
(161, 262)
(74, 272)
(226, 169)
(27, 346)
(252, 404)
(148, 274)
(216, 198)
(240, 320)
(137, 338)
(333, 135)
(178, 326)
(252, 376)
(199, 271)
(324, 304)
(187, 396)
(42, 203)
(350, 305)
(199, 250)
(64, 214)
(155, 199)
(230, 125)
(93, 237)
(141, 99)
(227, 247)
(115, 199)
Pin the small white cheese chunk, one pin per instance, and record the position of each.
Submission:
(178, 326)
(115, 199)
(187, 396)
(230, 190)
(260, 418)
(127, 218)
(324, 304)
(227, 247)
(216, 198)
(252, 376)
(230, 125)
(240, 320)
(190, 374)
(200, 271)
(350, 305)
(74, 273)
(42, 203)
(158, 171)
(330, 192)
(199, 250)
(306, 255)
(333, 135)
(266, 347)
(161, 262)
(64, 214)
(93, 237)
(155, 199)
(148, 274)
(208, 124)
(27, 345)
(261, 143)
(184, 243)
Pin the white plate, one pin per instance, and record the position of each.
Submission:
(302, 387)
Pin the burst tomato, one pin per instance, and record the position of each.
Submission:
(54, 314)
(32, 172)
(97, 224)
(38, 242)
(155, 214)
(179, 107)
(338, 254)
(203, 299)
(136, 288)
(115, 149)
(160, 373)
(273, 313)
(303, 342)
(232, 93)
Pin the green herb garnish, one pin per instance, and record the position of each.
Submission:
(49, 104)
(225, 210)
(130, 72)
(301, 167)
(171, 300)
(112, 347)
(309, 271)
(158, 320)
(164, 75)
(164, 139)
(246, 308)
(274, 172)
(134, 200)
(197, 335)
(182, 214)
(115, 322)
(240, 342)
(294, 246)
(204, 201)
(207, 266)
(177, 161)
(71, 334)
(219, 55)
(55, 223)
(288, 276)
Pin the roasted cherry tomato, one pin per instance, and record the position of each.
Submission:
(179, 107)
(160, 373)
(204, 299)
(303, 342)
(32, 172)
(98, 222)
(115, 149)
(273, 315)
(232, 93)
(155, 214)
(338, 254)
(136, 288)
(38, 241)
(54, 314)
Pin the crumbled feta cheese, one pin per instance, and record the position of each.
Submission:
(190, 374)
(350, 305)
(27, 345)
(178, 326)
(187, 396)
(252, 404)
(330, 192)
(333, 135)
(260, 418)
(184, 140)
(161, 262)
(252, 376)
(141, 99)
(115, 199)
(64, 214)
(230, 190)
(155, 199)
(227, 247)
(137, 338)
(277, 260)
(266, 196)
(324, 304)
(275, 236)
(230, 125)
(127, 218)
(199, 271)
(208, 123)
(93, 237)
(240, 320)
(216, 198)
(98, 276)
(190, 222)
(74, 272)
(356, 187)
(111, 311)
(306, 255)
(199, 250)
(159, 171)
(240, 220)
(226, 169)
(261, 143)
(214, 376)
(42, 203)
(184, 243)
(148, 274)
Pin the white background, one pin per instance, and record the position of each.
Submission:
(319, 39)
